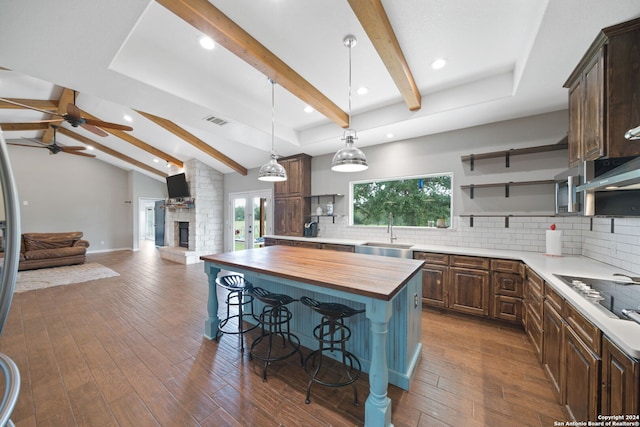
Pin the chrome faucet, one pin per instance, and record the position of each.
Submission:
(390, 229)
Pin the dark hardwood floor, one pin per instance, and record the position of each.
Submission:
(129, 351)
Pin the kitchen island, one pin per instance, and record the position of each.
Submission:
(386, 339)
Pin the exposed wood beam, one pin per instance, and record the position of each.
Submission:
(195, 141)
(210, 21)
(8, 127)
(137, 142)
(43, 104)
(375, 22)
(66, 97)
(109, 151)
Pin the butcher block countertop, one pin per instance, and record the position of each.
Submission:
(371, 276)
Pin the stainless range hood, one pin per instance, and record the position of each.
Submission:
(624, 177)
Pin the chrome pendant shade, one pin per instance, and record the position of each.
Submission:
(349, 158)
(272, 170)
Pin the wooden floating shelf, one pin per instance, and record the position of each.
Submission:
(505, 216)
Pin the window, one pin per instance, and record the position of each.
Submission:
(413, 201)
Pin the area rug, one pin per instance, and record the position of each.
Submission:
(57, 276)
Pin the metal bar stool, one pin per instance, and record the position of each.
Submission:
(332, 334)
(237, 296)
(274, 320)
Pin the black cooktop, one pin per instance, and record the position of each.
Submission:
(612, 296)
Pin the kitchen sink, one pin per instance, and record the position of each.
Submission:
(397, 250)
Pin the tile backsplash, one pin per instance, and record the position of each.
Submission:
(614, 241)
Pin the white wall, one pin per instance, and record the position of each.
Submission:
(72, 193)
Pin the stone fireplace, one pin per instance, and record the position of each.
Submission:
(201, 232)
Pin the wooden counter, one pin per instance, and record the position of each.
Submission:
(386, 339)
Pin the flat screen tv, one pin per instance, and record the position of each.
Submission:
(177, 186)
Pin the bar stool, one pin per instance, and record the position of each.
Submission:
(332, 335)
(237, 296)
(274, 320)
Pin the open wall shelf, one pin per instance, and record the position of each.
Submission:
(563, 144)
(506, 185)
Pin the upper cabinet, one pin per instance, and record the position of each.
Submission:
(290, 204)
(604, 94)
(298, 181)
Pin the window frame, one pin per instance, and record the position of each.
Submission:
(399, 178)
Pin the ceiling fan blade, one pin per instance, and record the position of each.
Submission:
(49, 121)
(29, 107)
(77, 153)
(108, 125)
(25, 145)
(94, 129)
(36, 141)
(72, 147)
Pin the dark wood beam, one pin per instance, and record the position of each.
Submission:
(9, 127)
(195, 141)
(137, 142)
(375, 22)
(43, 104)
(210, 21)
(110, 151)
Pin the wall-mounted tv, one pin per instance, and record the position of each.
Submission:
(177, 186)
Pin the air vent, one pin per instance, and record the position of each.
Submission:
(216, 120)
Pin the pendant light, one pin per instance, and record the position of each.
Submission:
(349, 158)
(272, 171)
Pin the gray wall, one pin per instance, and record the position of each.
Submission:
(72, 193)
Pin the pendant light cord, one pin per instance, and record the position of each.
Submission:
(350, 45)
(273, 116)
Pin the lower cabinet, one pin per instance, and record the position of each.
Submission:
(469, 291)
(269, 241)
(434, 278)
(620, 386)
(580, 388)
(552, 347)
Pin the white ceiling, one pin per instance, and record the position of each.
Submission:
(506, 59)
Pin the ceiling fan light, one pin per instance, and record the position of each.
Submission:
(349, 158)
(272, 171)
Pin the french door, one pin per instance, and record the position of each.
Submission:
(250, 218)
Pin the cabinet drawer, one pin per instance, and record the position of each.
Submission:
(341, 248)
(507, 308)
(469, 262)
(535, 281)
(507, 266)
(588, 333)
(312, 245)
(507, 284)
(534, 303)
(432, 258)
(555, 300)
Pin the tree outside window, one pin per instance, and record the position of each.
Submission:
(413, 201)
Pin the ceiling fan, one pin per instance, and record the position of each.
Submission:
(54, 148)
(74, 118)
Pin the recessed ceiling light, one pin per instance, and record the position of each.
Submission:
(89, 147)
(206, 42)
(308, 109)
(389, 135)
(156, 161)
(362, 91)
(438, 63)
(128, 118)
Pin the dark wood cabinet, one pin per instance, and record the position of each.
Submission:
(507, 290)
(307, 244)
(469, 291)
(603, 95)
(620, 388)
(434, 279)
(290, 204)
(552, 347)
(533, 308)
(580, 383)
(338, 247)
